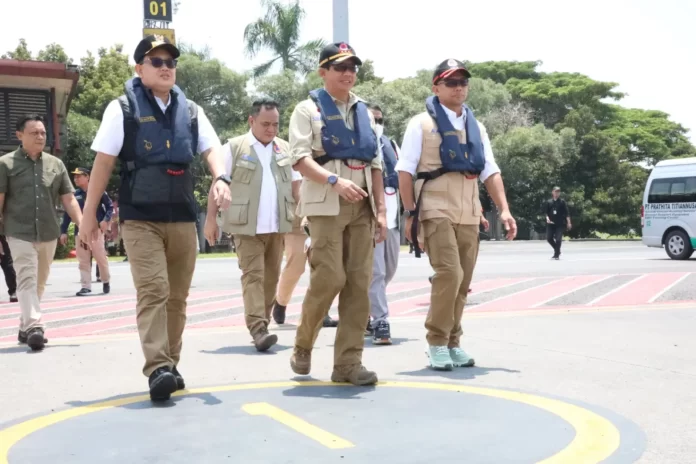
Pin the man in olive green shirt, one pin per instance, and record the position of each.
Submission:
(31, 184)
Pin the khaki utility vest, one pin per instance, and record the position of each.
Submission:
(247, 173)
(451, 195)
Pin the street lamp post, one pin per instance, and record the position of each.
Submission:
(340, 20)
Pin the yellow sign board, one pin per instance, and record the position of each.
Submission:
(168, 33)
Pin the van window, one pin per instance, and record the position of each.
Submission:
(674, 190)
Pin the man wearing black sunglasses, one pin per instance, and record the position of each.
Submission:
(156, 132)
(335, 148)
(448, 151)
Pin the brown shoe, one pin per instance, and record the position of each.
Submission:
(263, 340)
(301, 361)
(355, 374)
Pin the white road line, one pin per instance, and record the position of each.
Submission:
(620, 287)
(572, 290)
(553, 282)
(669, 287)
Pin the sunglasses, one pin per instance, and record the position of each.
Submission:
(345, 67)
(379, 120)
(453, 83)
(159, 62)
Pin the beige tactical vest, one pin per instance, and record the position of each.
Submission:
(245, 189)
(451, 195)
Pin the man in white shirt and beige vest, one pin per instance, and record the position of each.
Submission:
(261, 212)
(448, 151)
(335, 148)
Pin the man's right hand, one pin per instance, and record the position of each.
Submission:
(63, 239)
(211, 230)
(349, 191)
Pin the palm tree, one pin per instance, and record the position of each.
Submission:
(279, 31)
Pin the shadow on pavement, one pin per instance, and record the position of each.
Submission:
(247, 349)
(340, 392)
(459, 373)
(26, 349)
(208, 399)
(395, 342)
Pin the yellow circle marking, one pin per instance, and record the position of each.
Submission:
(596, 438)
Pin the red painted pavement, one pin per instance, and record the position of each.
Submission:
(641, 290)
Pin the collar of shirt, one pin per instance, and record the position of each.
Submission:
(163, 106)
(24, 154)
(254, 141)
(452, 115)
(352, 100)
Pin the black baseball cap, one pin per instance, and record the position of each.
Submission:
(83, 171)
(447, 68)
(152, 42)
(336, 53)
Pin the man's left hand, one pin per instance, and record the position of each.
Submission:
(103, 226)
(381, 231)
(221, 194)
(510, 225)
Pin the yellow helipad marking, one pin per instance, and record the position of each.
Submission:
(596, 438)
(299, 425)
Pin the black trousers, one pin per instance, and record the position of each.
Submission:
(554, 235)
(7, 267)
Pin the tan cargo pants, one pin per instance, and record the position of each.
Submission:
(452, 250)
(294, 266)
(162, 259)
(84, 257)
(340, 262)
(259, 257)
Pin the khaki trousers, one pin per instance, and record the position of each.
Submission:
(259, 258)
(340, 262)
(162, 259)
(294, 267)
(452, 250)
(83, 259)
(32, 262)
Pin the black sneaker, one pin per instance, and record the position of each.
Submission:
(180, 385)
(382, 334)
(35, 339)
(13, 297)
(328, 322)
(278, 313)
(84, 292)
(106, 287)
(23, 338)
(162, 384)
(369, 331)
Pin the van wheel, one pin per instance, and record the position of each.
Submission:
(678, 245)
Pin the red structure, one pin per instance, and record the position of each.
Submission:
(39, 87)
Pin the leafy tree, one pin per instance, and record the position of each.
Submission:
(279, 32)
(366, 73)
(54, 52)
(503, 71)
(20, 53)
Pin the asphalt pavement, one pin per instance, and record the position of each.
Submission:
(601, 340)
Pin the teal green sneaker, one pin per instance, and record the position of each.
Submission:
(460, 358)
(440, 358)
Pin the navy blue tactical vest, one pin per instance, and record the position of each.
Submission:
(391, 177)
(338, 141)
(466, 158)
(158, 149)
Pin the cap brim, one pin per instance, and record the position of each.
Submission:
(341, 59)
(165, 46)
(449, 72)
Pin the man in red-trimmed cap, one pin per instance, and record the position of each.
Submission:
(448, 151)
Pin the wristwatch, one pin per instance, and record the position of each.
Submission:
(225, 178)
(410, 212)
(332, 180)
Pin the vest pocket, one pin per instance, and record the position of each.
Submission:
(313, 192)
(243, 171)
(290, 206)
(238, 212)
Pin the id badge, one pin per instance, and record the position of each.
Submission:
(554, 212)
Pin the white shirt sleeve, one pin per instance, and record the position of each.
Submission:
(411, 148)
(207, 138)
(491, 166)
(227, 158)
(109, 138)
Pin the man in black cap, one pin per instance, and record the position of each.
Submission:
(448, 151)
(557, 221)
(335, 148)
(156, 132)
(97, 250)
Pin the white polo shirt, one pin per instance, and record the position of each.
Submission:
(109, 138)
(267, 218)
(412, 146)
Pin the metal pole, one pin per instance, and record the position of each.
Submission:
(340, 20)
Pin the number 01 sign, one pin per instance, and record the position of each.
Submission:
(158, 10)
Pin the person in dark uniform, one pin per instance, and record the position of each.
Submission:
(557, 221)
(156, 133)
(8, 269)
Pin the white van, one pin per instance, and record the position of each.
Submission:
(668, 213)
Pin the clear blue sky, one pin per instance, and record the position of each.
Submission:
(645, 46)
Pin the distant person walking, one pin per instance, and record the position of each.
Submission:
(557, 221)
